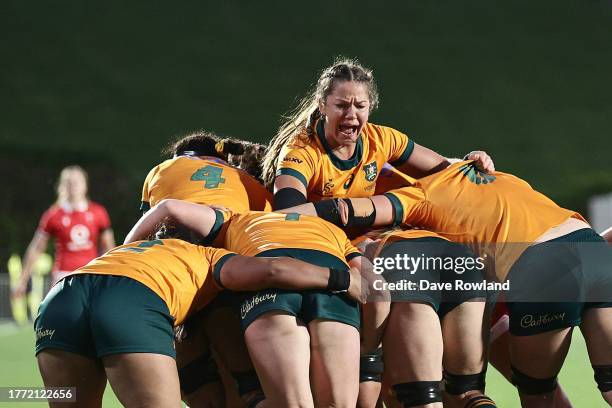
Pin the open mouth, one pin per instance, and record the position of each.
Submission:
(348, 131)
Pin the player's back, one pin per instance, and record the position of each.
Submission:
(253, 233)
(205, 180)
(497, 213)
(461, 201)
(179, 272)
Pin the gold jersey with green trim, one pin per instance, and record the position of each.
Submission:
(178, 272)
(255, 232)
(497, 213)
(204, 180)
(325, 176)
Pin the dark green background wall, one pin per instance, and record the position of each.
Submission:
(106, 85)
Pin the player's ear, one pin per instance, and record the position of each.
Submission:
(322, 106)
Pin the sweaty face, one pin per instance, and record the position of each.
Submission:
(346, 112)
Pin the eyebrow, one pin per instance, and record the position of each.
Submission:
(338, 99)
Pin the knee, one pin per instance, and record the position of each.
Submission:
(198, 373)
(371, 366)
(417, 393)
(457, 384)
(467, 390)
(533, 386)
(603, 377)
(249, 387)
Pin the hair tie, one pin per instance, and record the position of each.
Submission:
(219, 146)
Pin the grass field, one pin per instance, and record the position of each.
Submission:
(19, 369)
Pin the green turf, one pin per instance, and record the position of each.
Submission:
(19, 365)
(576, 378)
(19, 369)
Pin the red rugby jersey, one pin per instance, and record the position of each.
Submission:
(76, 232)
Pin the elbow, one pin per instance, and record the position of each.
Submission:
(275, 270)
(167, 205)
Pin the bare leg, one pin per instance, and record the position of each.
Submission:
(190, 349)
(540, 356)
(223, 328)
(63, 369)
(463, 332)
(499, 357)
(374, 320)
(143, 379)
(334, 363)
(369, 394)
(279, 346)
(413, 345)
(597, 330)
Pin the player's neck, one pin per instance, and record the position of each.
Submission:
(344, 152)
(75, 204)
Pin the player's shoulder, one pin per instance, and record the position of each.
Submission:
(302, 146)
(96, 207)
(374, 131)
(54, 210)
(52, 216)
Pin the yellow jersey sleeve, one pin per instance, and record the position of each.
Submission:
(297, 161)
(404, 201)
(397, 146)
(146, 195)
(217, 257)
(350, 251)
(216, 236)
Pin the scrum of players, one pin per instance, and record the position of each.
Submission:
(249, 279)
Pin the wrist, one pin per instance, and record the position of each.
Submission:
(339, 280)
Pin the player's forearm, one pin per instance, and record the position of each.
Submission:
(289, 273)
(423, 162)
(147, 224)
(199, 218)
(375, 211)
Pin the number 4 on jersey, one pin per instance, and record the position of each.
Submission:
(143, 246)
(211, 176)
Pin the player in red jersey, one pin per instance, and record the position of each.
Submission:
(78, 225)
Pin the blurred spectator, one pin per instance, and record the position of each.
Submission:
(78, 225)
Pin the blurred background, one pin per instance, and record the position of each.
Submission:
(107, 85)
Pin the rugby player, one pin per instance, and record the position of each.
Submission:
(294, 337)
(533, 242)
(113, 318)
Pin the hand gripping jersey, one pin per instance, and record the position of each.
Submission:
(497, 211)
(391, 178)
(253, 233)
(326, 176)
(204, 180)
(178, 272)
(76, 232)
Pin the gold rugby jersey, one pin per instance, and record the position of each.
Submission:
(254, 232)
(178, 272)
(497, 211)
(204, 180)
(325, 176)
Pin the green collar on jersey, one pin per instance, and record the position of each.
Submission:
(339, 163)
